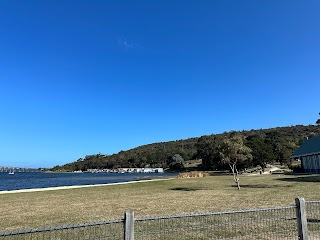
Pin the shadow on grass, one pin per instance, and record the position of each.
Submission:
(264, 186)
(187, 189)
(313, 220)
(301, 179)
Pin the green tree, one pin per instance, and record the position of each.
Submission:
(176, 162)
(284, 155)
(233, 151)
(277, 141)
(262, 152)
(208, 151)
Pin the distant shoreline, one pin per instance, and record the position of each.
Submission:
(82, 186)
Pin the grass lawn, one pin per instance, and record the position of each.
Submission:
(217, 193)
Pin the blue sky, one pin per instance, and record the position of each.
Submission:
(83, 77)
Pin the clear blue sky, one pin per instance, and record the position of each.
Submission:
(83, 77)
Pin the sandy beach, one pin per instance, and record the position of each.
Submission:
(80, 186)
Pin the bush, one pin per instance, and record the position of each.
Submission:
(296, 169)
(192, 174)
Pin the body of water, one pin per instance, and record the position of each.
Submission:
(28, 180)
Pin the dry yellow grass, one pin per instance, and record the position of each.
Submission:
(192, 174)
(51, 208)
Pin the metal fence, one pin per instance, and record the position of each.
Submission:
(313, 219)
(299, 221)
(107, 230)
(268, 223)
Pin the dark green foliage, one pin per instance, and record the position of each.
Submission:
(262, 151)
(176, 162)
(208, 151)
(283, 141)
(296, 169)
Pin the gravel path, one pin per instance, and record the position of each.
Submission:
(273, 168)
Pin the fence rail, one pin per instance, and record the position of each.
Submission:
(313, 219)
(299, 221)
(112, 229)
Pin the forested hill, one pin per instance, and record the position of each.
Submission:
(275, 144)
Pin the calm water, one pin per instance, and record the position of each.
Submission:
(44, 180)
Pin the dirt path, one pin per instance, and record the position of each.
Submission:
(273, 168)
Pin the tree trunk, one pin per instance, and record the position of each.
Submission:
(235, 175)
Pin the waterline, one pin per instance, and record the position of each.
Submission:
(79, 186)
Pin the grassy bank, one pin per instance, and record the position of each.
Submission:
(35, 209)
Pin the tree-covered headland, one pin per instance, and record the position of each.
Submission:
(266, 146)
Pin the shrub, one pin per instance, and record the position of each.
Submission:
(192, 174)
(296, 169)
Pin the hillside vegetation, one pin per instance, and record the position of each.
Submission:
(268, 145)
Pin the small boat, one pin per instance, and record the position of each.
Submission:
(11, 171)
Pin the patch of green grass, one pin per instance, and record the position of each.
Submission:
(216, 193)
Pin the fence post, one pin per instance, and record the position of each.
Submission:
(301, 219)
(129, 225)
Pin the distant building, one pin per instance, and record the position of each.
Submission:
(158, 170)
(309, 155)
(139, 170)
(147, 170)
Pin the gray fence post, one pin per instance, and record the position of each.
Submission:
(129, 225)
(301, 219)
